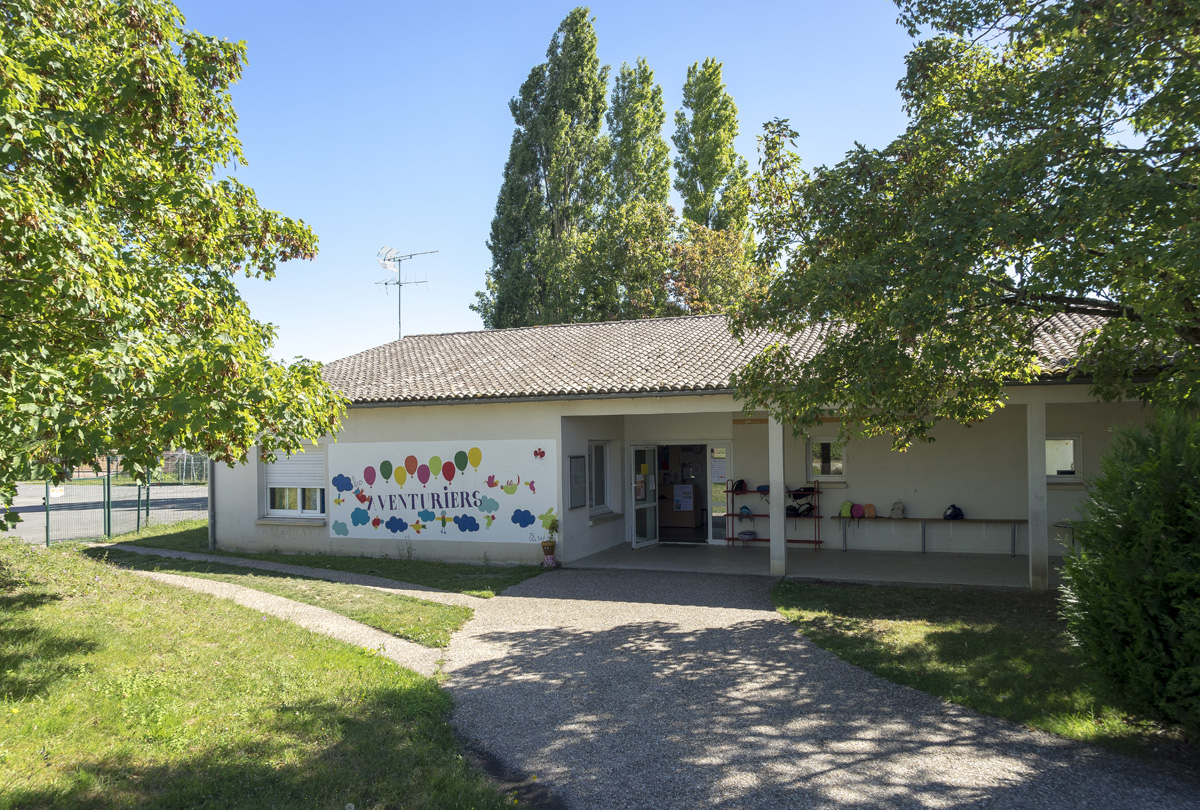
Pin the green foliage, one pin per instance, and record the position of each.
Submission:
(123, 330)
(1051, 164)
(710, 270)
(710, 176)
(554, 183)
(639, 163)
(1132, 594)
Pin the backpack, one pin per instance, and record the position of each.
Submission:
(953, 513)
(897, 511)
(847, 508)
(738, 486)
(857, 512)
(869, 511)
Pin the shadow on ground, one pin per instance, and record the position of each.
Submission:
(748, 714)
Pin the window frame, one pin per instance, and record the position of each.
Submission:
(808, 458)
(603, 447)
(1076, 458)
(309, 478)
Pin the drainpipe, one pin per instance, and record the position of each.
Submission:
(212, 505)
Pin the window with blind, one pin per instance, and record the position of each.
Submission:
(296, 485)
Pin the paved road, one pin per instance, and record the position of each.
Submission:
(626, 689)
(78, 512)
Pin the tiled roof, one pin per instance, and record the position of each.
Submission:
(659, 355)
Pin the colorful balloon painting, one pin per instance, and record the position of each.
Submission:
(423, 475)
(401, 476)
(448, 471)
(474, 456)
(460, 460)
(369, 476)
(385, 469)
(435, 464)
(410, 464)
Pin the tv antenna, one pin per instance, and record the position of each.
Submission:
(391, 259)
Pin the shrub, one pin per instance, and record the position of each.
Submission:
(1132, 594)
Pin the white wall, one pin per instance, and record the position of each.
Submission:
(981, 468)
(582, 533)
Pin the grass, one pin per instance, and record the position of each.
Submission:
(419, 620)
(1000, 652)
(484, 581)
(118, 691)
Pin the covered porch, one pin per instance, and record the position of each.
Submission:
(892, 567)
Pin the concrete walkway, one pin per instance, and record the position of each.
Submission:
(635, 689)
(639, 689)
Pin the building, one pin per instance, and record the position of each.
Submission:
(463, 445)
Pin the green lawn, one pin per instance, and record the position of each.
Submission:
(117, 691)
(484, 581)
(1000, 652)
(420, 620)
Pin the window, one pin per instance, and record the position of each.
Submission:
(296, 485)
(826, 459)
(598, 477)
(1063, 458)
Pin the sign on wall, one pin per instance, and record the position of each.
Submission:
(498, 491)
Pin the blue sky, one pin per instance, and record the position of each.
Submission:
(387, 123)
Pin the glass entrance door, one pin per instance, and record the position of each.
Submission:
(644, 477)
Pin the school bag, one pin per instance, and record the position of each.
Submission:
(869, 511)
(897, 511)
(857, 512)
(847, 506)
(953, 513)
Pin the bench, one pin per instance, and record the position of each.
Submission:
(1014, 522)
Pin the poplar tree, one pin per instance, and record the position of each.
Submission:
(709, 175)
(554, 184)
(639, 163)
(625, 265)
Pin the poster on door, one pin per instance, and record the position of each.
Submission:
(499, 491)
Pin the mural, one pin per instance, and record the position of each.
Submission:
(500, 491)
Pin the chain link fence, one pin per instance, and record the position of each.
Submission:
(91, 505)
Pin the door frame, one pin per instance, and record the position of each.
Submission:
(650, 480)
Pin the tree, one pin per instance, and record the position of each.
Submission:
(554, 184)
(1132, 593)
(123, 331)
(1051, 164)
(628, 260)
(710, 271)
(710, 176)
(639, 163)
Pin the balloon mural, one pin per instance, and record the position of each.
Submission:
(375, 500)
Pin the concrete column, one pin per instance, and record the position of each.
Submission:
(778, 498)
(1039, 546)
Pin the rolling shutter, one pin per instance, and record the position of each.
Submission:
(298, 470)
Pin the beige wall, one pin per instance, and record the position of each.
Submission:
(981, 468)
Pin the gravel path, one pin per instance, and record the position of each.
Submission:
(627, 689)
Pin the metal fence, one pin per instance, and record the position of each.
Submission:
(110, 503)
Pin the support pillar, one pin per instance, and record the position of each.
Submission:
(778, 509)
(1039, 545)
